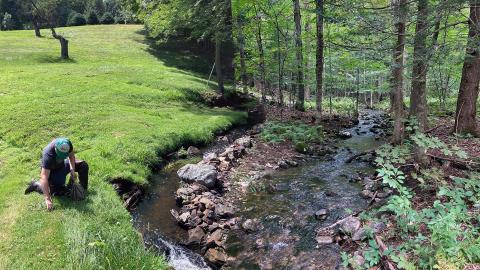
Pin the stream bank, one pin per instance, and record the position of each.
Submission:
(268, 201)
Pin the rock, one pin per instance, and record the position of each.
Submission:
(360, 235)
(345, 134)
(193, 151)
(199, 173)
(321, 214)
(175, 214)
(184, 194)
(256, 129)
(358, 259)
(223, 211)
(292, 163)
(282, 164)
(378, 226)
(207, 202)
(183, 218)
(324, 239)
(366, 194)
(215, 238)
(196, 236)
(350, 225)
(213, 227)
(216, 256)
(250, 225)
(244, 141)
(260, 243)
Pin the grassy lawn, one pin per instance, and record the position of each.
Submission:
(122, 107)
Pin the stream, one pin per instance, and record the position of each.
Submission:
(285, 230)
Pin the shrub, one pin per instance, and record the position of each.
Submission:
(92, 17)
(76, 19)
(7, 22)
(107, 18)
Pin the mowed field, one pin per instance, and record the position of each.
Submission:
(122, 107)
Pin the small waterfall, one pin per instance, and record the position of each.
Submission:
(180, 258)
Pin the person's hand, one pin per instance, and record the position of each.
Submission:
(73, 177)
(49, 204)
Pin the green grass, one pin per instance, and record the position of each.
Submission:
(122, 107)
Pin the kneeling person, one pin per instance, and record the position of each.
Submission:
(58, 160)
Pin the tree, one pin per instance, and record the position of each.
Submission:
(76, 19)
(261, 53)
(241, 50)
(92, 17)
(49, 12)
(207, 21)
(465, 116)
(418, 96)
(319, 56)
(300, 104)
(400, 10)
(107, 18)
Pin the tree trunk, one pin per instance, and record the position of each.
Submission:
(465, 117)
(261, 53)
(241, 49)
(400, 7)
(319, 56)
(308, 29)
(280, 75)
(218, 65)
(357, 92)
(300, 104)
(418, 96)
(63, 44)
(36, 27)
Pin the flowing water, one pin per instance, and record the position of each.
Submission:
(287, 227)
(285, 238)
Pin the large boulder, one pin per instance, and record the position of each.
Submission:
(199, 173)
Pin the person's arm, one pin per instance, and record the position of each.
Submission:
(45, 173)
(71, 158)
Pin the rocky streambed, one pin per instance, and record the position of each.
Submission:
(250, 205)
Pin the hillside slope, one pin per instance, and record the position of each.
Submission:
(121, 107)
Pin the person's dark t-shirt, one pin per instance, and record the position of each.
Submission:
(49, 157)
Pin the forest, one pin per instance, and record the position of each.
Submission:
(244, 134)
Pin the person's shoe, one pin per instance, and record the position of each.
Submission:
(33, 186)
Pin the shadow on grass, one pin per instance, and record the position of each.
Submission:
(180, 54)
(54, 60)
(81, 206)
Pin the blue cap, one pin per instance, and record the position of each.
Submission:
(62, 148)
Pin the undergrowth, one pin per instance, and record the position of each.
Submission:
(299, 133)
(439, 235)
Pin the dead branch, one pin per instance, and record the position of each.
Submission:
(387, 263)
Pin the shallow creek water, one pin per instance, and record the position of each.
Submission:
(285, 238)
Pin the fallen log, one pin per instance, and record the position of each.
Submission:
(434, 128)
(461, 164)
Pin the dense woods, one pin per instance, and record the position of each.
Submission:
(353, 46)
